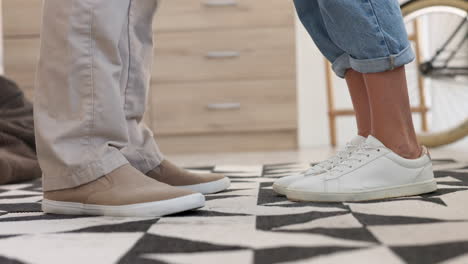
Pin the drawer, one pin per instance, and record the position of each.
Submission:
(259, 53)
(184, 108)
(263, 54)
(21, 60)
(21, 17)
(228, 142)
(203, 14)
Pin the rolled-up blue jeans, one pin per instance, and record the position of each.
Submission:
(367, 36)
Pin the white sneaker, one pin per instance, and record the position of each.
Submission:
(281, 184)
(371, 172)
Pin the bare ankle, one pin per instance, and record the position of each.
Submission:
(408, 151)
(364, 133)
(405, 146)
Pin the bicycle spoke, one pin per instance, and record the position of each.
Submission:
(458, 28)
(441, 44)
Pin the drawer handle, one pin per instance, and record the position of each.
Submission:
(222, 54)
(220, 3)
(224, 106)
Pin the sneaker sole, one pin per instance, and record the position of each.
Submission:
(150, 209)
(377, 194)
(209, 187)
(279, 189)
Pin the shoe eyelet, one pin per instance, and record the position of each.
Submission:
(378, 150)
(368, 155)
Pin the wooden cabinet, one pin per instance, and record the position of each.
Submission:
(21, 18)
(237, 106)
(223, 76)
(184, 15)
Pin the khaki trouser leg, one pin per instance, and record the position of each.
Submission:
(142, 152)
(82, 129)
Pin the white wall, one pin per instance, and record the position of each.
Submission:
(312, 100)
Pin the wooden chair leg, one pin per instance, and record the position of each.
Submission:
(421, 84)
(331, 104)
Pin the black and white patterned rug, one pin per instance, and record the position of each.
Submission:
(249, 223)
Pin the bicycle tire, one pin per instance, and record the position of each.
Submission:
(414, 5)
(460, 131)
(445, 137)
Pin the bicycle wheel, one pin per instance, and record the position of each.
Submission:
(437, 79)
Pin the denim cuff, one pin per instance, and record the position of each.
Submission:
(341, 65)
(344, 62)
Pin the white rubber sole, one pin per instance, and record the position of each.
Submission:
(209, 187)
(151, 209)
(280, 189)
(375, 194)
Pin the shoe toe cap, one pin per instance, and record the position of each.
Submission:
(309, 184)
(216, 176)
(285, 181)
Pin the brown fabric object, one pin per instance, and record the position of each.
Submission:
(170, 174)
(123, 186)
(17, 148)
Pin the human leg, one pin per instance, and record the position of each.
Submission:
(391, 113)
(78, 115)
(311, 17)
(373, 35)
(142, 151)
(378, 47)
(81, 125)
(360, 98)
(136, 47)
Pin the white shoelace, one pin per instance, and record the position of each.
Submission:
(356, 158)
(331, 162)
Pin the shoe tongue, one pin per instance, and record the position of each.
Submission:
(373, 142)
(357, 140)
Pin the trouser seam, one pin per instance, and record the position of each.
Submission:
(392, 61)
(381, 32)
(92, 82)
(130, 54)
(92, 78)
(143, 162)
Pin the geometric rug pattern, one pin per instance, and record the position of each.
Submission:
(249, 223)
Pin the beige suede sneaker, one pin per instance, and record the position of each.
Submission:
(205, 183)
(123, 192)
